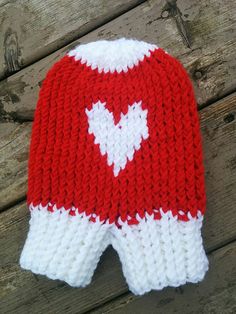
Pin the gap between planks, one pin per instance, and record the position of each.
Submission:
(216, 79)
(22, 198)
(29, 33)
(215, 294)
(27, 292)
(210, 61)
(18, 93)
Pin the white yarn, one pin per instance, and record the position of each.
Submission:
(154, 253)
(115, 55)
(64, 247)
(160, 253)
(118, 141)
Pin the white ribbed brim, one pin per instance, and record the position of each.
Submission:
(160, 253)
(154, 253)
(63, 247)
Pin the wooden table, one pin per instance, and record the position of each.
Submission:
(202, 35)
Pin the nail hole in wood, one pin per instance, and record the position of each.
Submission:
(229, 117)
(198, 75)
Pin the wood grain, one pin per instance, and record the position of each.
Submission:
(14, 142)
(218, 127)
(23, 292)
(216, 294)
(31, 29)
(200, 33)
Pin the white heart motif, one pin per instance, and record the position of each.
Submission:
(118, 141)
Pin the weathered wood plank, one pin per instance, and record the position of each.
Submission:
(218, 127)
(209, 28)
(24, 292)
(14, 142)
(32, 29)
(216, 294)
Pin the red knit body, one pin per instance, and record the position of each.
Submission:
(66, 167)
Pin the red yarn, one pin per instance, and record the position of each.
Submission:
(66, 168)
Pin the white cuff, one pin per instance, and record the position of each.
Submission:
(154, 254)
(160, 253)
(63, 247)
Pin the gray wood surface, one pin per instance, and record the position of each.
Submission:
(14, 146)
(210, 61)
(33, 35)
(211, 31)
(23, 292)
(216, 294)
(31, 29)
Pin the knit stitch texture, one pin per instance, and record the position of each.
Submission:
(116, 158)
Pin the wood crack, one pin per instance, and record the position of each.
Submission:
(175, 12)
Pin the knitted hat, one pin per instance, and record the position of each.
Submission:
(116, 158)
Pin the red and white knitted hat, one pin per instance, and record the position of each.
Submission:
(116, 158)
